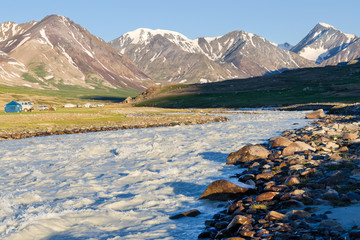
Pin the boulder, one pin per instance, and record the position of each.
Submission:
(222, 190)
(191, 213)
(315, 114)
(296, 147)
(267, 196)
(274, 216)
(238, 221)
(292, 180)
(246, 154)
(298, 214)
(265, 176)
(281, 142)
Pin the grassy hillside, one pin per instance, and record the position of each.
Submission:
(326, 84)
(65, 94)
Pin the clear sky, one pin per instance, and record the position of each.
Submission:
(276, 20)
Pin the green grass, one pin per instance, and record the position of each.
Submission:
(69, 93)
(313, 85)
(39, 69)
(28, 77)
(258, 206)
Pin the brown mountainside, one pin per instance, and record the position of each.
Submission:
(57, 51)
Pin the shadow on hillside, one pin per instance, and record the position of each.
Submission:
(103, 98)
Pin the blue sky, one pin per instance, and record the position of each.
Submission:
(277, 20)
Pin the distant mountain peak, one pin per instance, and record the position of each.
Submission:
(67, 54)
(142, 35)
(323, 43)
(325, 25)
(285, 46)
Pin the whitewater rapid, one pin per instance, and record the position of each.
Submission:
(123, 184)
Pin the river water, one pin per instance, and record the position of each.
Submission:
(123, 184)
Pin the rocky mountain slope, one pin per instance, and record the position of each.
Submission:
(328, 46)
(56, 52)
(169, 56)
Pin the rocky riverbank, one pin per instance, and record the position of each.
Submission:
(293, 186)
(152, 120)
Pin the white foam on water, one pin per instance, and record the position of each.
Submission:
(123, 184)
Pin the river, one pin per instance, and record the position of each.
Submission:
(123, 184)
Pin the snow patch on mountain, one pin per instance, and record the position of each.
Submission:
(143, 36)
(312, 53)
(22, 42)
(85, 50)
(43, 35)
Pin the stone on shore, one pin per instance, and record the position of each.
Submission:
(274, 216)
(246, 154)
(267, 196)
(281, 142)
(222, 190)
(237, 221)
(296, 147)
(315, 114)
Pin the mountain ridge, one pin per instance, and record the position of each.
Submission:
(237, 54)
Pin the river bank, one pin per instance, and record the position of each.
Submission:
(17, 126)
(303, 185)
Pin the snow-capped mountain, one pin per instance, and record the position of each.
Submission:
(326, 45)
(57, 51)
(168, 56)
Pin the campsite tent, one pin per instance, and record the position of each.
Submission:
(13, 107)
(88, 105)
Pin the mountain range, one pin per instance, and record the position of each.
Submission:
(56, 52)
(169, 56)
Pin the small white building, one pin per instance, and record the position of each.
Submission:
(69, 105)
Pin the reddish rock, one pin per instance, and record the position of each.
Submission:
(237, 221)
(335, 156)
(223, 190)
(281, 142)
(267, 196)
(247, 233)
(266, 176)
(343, 149)
(308, 171)
(315, 114)
(274, 216)
(292, 180)
(246, 154)
(235, 206)
(296, 147)
(350, 136)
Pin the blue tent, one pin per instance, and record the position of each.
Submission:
(13, 107)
